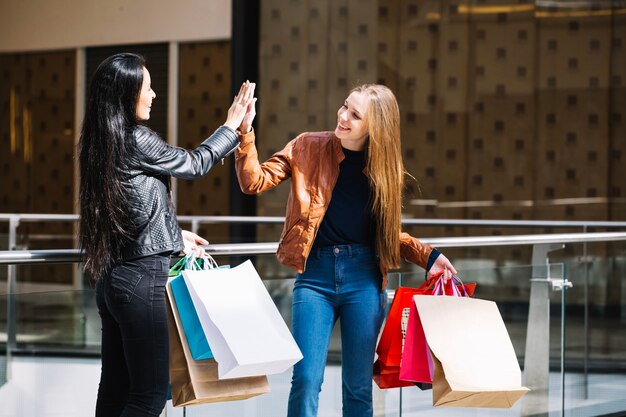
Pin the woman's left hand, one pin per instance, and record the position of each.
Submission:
(442, 266)
(192, 244)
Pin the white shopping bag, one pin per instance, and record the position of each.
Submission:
(475, 364)
(247, 334)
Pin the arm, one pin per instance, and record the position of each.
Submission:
(255, 177)
(424, 255)
(158, 157)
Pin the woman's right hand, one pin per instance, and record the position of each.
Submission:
(246, 124)
(239, 108)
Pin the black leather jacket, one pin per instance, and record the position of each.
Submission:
(146, 178)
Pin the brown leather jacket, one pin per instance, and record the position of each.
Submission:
(312, 162)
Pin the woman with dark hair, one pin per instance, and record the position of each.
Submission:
(128, 227)
(342, 234)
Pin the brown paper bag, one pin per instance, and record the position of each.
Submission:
(475, 364)
(196, 382)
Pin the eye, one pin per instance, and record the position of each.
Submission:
(356, 116)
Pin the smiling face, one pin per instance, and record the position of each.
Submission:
(352, 126)
(146, 95)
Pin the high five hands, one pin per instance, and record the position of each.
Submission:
(246, 124)
(239, 115)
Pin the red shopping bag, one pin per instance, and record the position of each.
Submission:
(389, 349)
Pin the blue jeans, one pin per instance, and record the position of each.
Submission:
(135, 345)
(339, 282)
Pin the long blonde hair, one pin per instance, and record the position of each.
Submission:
(385, 169)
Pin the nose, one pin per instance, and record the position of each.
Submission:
(343, 115)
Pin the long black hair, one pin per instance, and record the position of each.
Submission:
(110, 114)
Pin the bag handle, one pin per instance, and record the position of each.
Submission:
(454, 283)
(190, 262)
(458, 287)
(429, 283)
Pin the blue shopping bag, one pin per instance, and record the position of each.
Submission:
(196, 339)
(198, 345)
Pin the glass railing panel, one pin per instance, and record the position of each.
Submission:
(63, 322)
(595, 336)
(66, 320)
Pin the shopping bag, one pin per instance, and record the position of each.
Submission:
(245, 330)
(474, 361)
(192, 328)
(196, 382)
(416, 364)
(389, 348)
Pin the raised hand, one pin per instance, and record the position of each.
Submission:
(246, 125)
(239, 108)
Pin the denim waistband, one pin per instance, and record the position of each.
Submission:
(353, 249)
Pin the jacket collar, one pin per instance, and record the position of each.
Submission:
(336, 142)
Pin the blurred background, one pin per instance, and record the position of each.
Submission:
(513, 111)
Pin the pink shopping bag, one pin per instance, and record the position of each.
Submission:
(417, 364)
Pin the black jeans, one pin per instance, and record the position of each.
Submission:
(135, 351)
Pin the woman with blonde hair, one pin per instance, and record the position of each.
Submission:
(342, 234)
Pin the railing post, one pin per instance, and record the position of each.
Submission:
(14, 222)
(537, 353)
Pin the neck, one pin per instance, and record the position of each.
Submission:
(354, 145)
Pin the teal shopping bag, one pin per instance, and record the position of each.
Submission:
(196, 339)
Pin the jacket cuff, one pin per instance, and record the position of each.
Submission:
(223, 142)
(434, 254)
(245, 138)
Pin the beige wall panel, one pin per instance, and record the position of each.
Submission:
(617, 120)
(204, 99)
(363, 36)
(36, 147)
(567, 58)
(387, 47)
(62, 24)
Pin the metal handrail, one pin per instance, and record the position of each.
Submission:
(226, 249)
(405, 221)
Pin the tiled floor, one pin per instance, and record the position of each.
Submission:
(66, 387)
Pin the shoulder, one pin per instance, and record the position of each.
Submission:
(148, 143)
(143, 133)
(146, 139)
(319, 137)
(313, 139)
